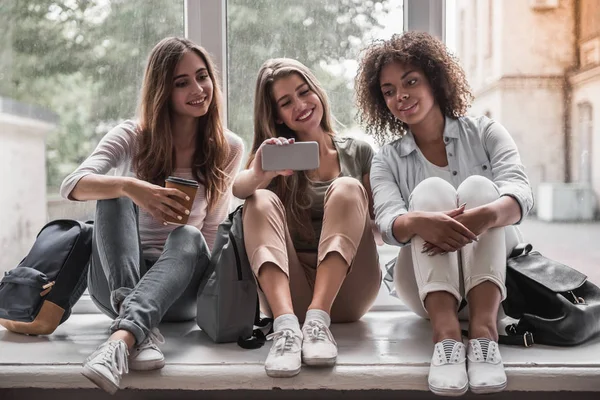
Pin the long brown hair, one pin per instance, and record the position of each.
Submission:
(154, 158)
(423, 51)
(292, 190)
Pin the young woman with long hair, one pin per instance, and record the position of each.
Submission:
(307, 233)
(144, 269)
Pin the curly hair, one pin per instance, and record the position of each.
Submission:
(420, 50)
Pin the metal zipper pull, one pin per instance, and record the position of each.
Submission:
(47, 288)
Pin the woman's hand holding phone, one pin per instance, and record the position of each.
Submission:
(257, 164)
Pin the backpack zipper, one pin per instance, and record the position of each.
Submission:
(576, 300)
(238, 263)
(47, 288)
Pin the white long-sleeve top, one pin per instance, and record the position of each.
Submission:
(115, 152)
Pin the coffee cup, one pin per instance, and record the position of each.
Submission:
(188, 187)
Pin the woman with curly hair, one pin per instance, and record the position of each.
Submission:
(447, 188)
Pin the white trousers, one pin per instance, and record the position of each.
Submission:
(417, 274)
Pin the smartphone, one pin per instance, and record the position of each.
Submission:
(298, 156)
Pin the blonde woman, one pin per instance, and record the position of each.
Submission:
(144, 270)
(307, 234)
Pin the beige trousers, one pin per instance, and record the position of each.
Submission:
(346, 230)
(417, 274)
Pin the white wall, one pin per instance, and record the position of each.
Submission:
(482, 64)
(534, 117)
(537, 42)
(587, 90)
(489, 101)
(524, 41)
(520, 81)
(23, 180)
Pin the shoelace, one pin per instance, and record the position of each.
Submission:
(486, 348)
(317, 331)
(283, 340)
(153, 339)
(115, 357)
(448, 348)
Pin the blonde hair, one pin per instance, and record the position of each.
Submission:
(154, 158)
(292, 190)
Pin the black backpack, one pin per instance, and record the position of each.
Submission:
(37, 295)
(555, 304)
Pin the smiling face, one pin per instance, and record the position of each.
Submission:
(192, 87)
(297, 105)
(407, 92)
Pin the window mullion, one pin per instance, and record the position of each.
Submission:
(206, 24)
(425, 15)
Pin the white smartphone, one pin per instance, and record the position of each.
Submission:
(298, 156)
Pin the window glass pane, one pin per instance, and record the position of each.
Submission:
(69, 71)
(547, 95)
(325, 35)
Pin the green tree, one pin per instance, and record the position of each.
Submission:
(84, 59)
(315, 32)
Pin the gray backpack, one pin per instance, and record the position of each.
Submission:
(228, 305)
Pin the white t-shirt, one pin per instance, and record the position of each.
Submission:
(432, 170)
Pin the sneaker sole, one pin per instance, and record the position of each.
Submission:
(320, 362)
(488, 389)
(146, 365)
(99, 380)
(278, 373)
(449, 392)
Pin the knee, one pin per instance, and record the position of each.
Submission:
(262, 201)
(477, 190)
(190, 241)
(433, 194)
(112, 205)
(346, 190)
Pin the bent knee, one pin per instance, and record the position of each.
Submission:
(262, 201)
(346, 189)
(113, 204)
(189, 240)
(433, 194)
(477, 190)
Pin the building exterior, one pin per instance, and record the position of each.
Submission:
(23, 130)
(534, 65)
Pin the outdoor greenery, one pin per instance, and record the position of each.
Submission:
(84, 59)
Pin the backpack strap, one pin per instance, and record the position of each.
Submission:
(521, 249)
(258, 338)
(513, 339)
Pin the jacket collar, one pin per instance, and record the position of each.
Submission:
(451, 131)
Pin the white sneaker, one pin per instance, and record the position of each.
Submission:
(318, 346)
(486, 371)
(107, 364)
(448, 370)
(284, 358)
(147, 356)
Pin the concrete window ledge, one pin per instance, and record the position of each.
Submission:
(383, 351)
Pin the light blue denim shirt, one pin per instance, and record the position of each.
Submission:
(474, 146)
